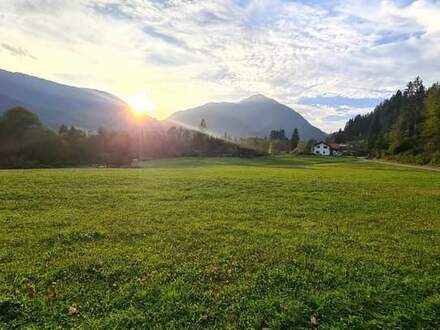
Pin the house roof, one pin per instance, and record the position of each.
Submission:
(322, 143)
(338, 146)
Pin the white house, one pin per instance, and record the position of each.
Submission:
(322, 148)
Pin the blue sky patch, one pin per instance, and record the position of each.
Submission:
(340, 101)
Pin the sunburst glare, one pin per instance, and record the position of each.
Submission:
(140, 103)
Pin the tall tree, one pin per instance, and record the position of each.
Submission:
(23, 138)
(339, 137)
(278, 135)
(17, 120)
(203, 126)
(294, 140)
(431, 128)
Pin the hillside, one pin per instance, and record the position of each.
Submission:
(254, 116)
(404, 127)
(58, 104)
(7, 102)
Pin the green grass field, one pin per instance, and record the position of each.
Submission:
(221, 243)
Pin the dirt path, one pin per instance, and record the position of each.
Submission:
(418, 167)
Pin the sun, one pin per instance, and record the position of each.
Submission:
(141, 104)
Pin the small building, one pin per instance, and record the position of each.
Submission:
(339, 149)
(322, 148)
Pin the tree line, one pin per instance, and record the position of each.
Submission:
(405, 127)
(26, 142)
(277, 143)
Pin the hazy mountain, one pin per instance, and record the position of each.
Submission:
(58, 104)
(254, 116)
(7, 102)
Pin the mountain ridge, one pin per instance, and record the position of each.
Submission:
(256, 115)
(58, 104)
(90, 109)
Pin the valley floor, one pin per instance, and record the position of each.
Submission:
(286, 242)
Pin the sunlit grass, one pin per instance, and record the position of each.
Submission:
(197, 243)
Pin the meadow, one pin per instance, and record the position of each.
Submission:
(284, 242)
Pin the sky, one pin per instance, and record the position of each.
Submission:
(327, 59)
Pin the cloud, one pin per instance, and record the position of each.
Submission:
(332, 59)
(17, 51)
(176, 58)
(168, 38)
(114, 10)
(329, 118)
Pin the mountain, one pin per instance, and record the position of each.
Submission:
(254, 116)
(7, 102)
(58, 104)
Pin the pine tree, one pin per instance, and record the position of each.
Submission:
(294, 140)
(338, 137)
(203, 126)
(63, 130)
(431, 127)
(411, 114)
(373, 131)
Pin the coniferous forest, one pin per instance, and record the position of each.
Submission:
(405, 127)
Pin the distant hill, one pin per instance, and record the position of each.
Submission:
(254, 116)
(58, 104)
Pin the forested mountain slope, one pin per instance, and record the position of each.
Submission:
(406, 126)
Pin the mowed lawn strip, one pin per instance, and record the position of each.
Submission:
(284, 242)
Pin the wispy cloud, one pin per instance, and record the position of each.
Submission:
(17, 51)
(330, 59)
